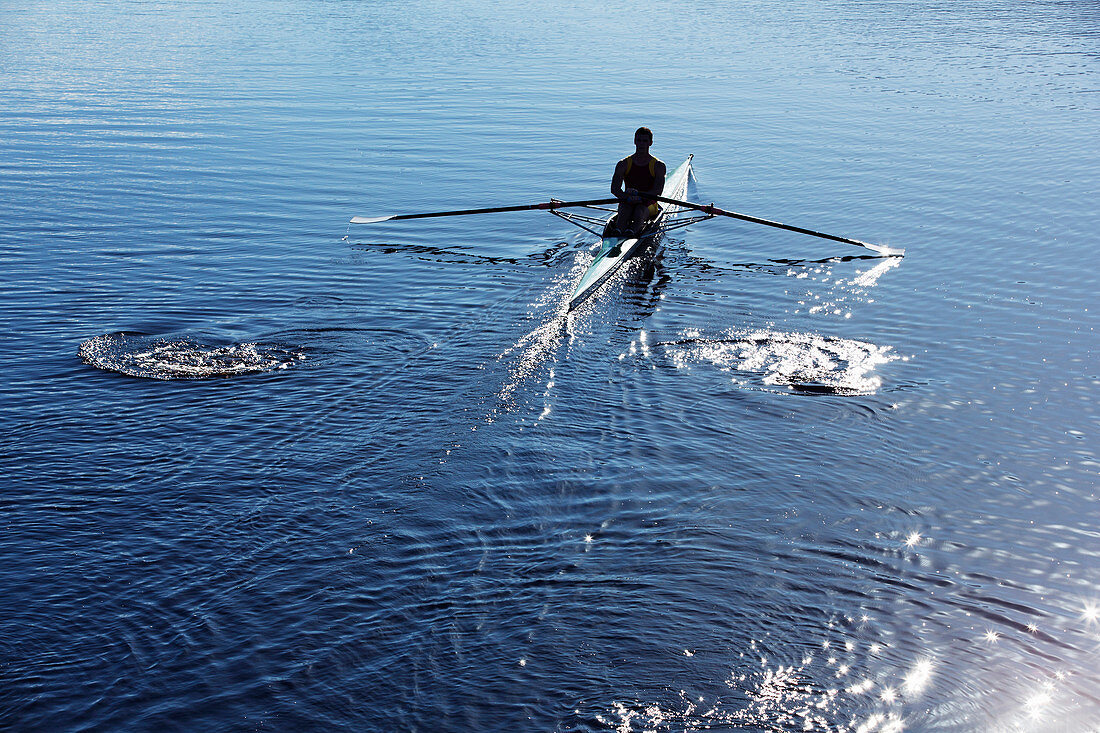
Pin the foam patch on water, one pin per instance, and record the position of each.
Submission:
(155, 357)
(806, 362)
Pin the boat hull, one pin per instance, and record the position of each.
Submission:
(615, 250)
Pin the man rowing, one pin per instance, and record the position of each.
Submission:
(637, 174)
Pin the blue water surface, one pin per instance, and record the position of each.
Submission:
(265, 470)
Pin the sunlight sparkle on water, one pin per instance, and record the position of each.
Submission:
(918, 677)
(913, 539)
(861, 687)
(1038, 702)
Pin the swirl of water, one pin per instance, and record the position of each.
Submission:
(157, 357)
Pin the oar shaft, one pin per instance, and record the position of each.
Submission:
(549, 205)
(715, 211)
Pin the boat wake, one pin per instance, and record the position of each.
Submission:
(774, 360)
(531, 353)
(154, 357)
(535, 350)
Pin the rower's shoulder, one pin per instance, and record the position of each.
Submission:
(658, 163)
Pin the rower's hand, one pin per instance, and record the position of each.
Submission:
(632, 196)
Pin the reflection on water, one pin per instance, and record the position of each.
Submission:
(855, 680)
(925, 647)
(840, 293)
(155, 357)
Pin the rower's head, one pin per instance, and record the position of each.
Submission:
(643, 137)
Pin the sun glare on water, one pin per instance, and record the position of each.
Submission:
(918, 677)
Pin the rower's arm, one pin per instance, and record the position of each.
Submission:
(659, 172)
(617, 189)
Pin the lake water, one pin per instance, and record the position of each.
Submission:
(263, 470)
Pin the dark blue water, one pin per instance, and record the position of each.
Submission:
(265, 471)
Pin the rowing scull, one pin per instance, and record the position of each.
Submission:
(615, 249)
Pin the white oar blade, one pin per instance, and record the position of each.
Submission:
(882, 249)
(370, 219)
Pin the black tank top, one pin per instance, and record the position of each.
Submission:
(640, 177)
